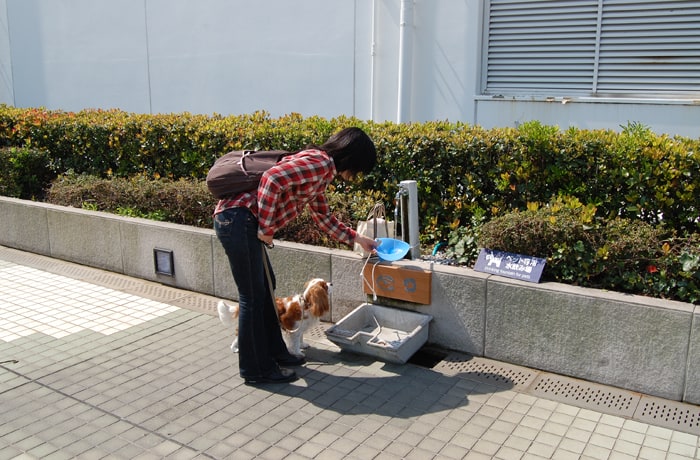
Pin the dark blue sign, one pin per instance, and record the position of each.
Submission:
(517, 266)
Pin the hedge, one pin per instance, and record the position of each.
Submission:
(460, 169)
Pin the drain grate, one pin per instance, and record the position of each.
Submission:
(112, 281)
(669, 414)
(157, 292)
(486, 371)
(28, 259)
(198, 303)
(586, 395)
(318, 332)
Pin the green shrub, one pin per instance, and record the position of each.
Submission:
(462, 245)
(676, 273)
(180, 201)
(621, 254)
(25, 172)
(560, 232)
(460, 169)
(188, 201)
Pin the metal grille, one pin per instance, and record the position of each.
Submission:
(157, 292)
(540, 46)
(593, 47)
(586, 395)
(30, 259)
(112, 281)
(318, 333)
(199, 303)
(669, 414)
(486, 371)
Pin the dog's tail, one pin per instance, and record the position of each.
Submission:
(227, 313)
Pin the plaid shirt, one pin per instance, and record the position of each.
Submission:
(296, 181)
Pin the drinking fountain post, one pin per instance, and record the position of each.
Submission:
(408, 202)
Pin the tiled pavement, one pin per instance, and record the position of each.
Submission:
(99, 365)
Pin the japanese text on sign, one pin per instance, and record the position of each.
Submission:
(517, 266)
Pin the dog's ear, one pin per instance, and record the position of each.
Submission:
(317, 298)
(289, 312)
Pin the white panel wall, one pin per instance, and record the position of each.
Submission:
(208, 56)
(447, 44)
(74, 54)
(240, 56)
(444, 61)
(386, 59)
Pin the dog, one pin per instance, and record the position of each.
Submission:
(297, 314)
(493, 260)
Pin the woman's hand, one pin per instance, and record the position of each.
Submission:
(267, 239)
(367, 243)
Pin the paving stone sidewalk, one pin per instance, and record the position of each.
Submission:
(98, 365)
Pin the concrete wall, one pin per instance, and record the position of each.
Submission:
(637, 343)
(313, 57)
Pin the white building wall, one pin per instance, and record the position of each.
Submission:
(313, 57)
(74, 54)
(663, 117)
(240, 56)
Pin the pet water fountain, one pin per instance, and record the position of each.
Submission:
(390, 334)
(406, 217)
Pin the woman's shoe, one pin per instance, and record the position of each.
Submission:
(277, 376)
(290, 360)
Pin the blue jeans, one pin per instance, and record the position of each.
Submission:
(259, 336)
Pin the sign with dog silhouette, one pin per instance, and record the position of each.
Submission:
(516, 266)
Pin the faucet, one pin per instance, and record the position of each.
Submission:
(399, 209)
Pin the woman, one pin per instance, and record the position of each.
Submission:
(244, 222)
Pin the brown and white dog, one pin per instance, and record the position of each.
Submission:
(297, 313)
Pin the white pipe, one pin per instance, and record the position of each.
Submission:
(373, 54)
(413, 224)
(404, 71)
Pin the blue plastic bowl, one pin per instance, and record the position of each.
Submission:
(391, 249)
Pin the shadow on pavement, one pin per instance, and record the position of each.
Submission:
(404, 391)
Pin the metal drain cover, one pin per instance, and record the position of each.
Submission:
(318, 332)
(669, 414)
(110, 280)
(198, 303)
(586, 395)
(486, 371)
(157, 292)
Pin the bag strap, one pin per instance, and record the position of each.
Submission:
(378, 212)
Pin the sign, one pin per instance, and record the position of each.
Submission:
(410, 284)
(516, 266)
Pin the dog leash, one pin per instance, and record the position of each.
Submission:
(266, 263)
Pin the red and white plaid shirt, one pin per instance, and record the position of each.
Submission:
(296, 181)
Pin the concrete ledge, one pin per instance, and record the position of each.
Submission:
(632, 342)
(24, 225)
(85, 237)
(692, 380)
